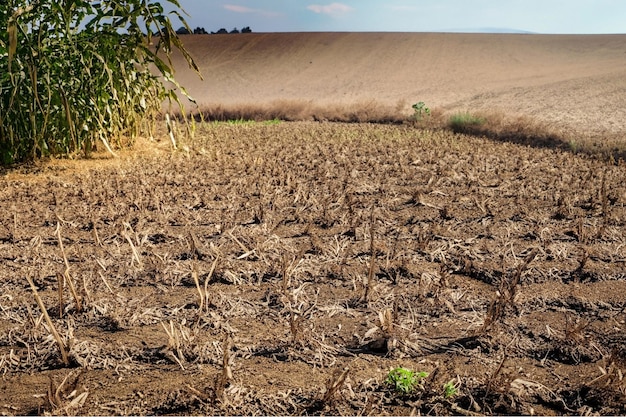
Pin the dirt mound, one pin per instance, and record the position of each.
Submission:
(563, 79)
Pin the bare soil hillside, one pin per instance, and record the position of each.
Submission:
(563, 79)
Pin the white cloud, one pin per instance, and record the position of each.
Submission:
(332, 9)
(238, 9)
(243, 9)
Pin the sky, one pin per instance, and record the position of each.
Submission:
(538, 16)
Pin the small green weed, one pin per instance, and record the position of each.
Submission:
(274, 121)
(574, 146)
(450, 390)
(420, 110)
(460, 121)
(404, 380)
(233, 122)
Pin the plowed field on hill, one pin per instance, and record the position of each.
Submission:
(564, 80)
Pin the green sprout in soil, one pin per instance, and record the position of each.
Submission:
(404, 380)
(450, 390)
(420, 110)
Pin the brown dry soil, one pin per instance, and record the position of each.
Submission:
(286, 268)
(317, 247)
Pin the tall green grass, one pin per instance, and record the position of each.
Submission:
(77, 72)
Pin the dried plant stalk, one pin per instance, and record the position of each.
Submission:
(296, 317)
(57, 399)
(203, 292)
(284, 281)
(512, 287)
(195, 247)
(66, 273)
(247, 252)
(174, 344)
(53, 330)
(194, 275)
(372, 267)
(170, 130)
(294, 324)
(15, 229)
(135, 257)
(604, 201)
(505, 295)
(106, 282)
(227, 373)
(58, 233)
(334, 385)
(208, 279)
(96, 236)
(70, 284)
(60, 284)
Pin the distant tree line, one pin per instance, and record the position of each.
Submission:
(202, 31)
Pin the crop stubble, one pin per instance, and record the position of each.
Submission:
(284, 269)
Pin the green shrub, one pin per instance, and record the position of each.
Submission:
(463, 121)
(73, 72)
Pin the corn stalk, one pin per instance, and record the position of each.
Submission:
(74, 73)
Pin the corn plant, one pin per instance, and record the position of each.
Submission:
(77, 72)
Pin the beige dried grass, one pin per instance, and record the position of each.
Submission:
(364, 111)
